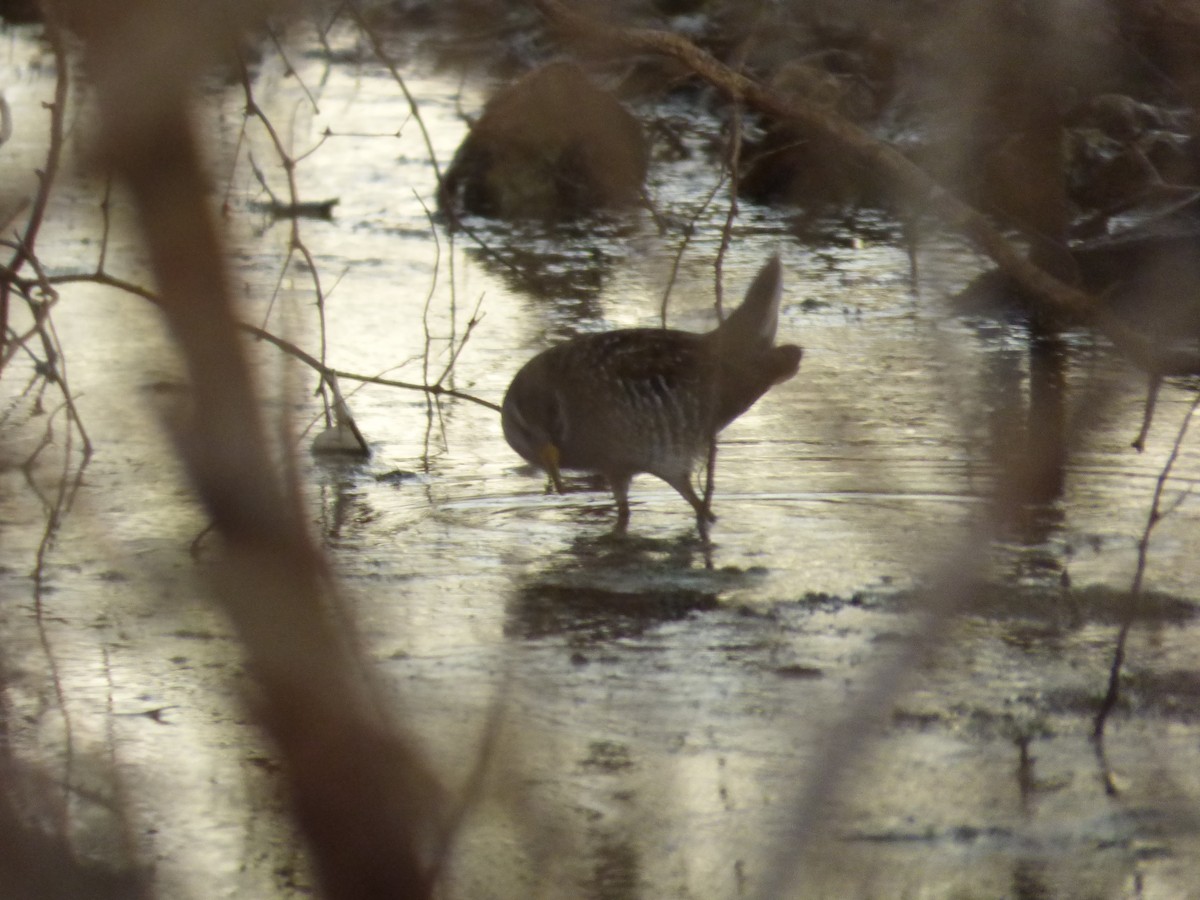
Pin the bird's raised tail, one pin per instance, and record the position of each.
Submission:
(751, 327)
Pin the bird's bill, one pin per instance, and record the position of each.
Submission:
(548, 457)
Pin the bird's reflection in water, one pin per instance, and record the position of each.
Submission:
(616, 871)
(593, 615)
(610, 587)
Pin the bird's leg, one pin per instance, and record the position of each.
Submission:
(620, 489)
(710, 469)
(704, 514)
(548, 458)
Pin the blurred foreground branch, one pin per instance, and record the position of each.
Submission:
(362, 796)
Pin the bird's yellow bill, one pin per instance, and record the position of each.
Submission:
(548, 457)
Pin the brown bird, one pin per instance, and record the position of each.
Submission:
(648, 399)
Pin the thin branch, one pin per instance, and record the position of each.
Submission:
(734, 163)
(735, 158)
(1133, 605)
(457, 349)
(52, 366)
(689, 230)
(49, 173)
(291, 70)
(286, 346)
(384, 57)
(437, 267)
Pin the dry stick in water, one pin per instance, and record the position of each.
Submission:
(1156, 515)
(735, 158)
(362, 796)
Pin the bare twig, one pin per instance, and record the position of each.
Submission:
(49, 172)
(689, 230)
(1133, 604)
(733, 157)
(282, 344)
(437, 267)
(384, 57)
(291, 70)
(457, 349)
(51, 367)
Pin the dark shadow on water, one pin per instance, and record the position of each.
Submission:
(616, 870)
(1003, 601)
(637, 554)
(609, 587)
(593, 615)
(1172, 696)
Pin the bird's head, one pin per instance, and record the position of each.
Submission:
(531, 420)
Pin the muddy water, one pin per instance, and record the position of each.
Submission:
(654, 709)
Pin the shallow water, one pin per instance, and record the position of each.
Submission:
(658, 708)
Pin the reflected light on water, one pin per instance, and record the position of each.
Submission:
(653, 704)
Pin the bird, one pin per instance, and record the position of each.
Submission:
(648, 400)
